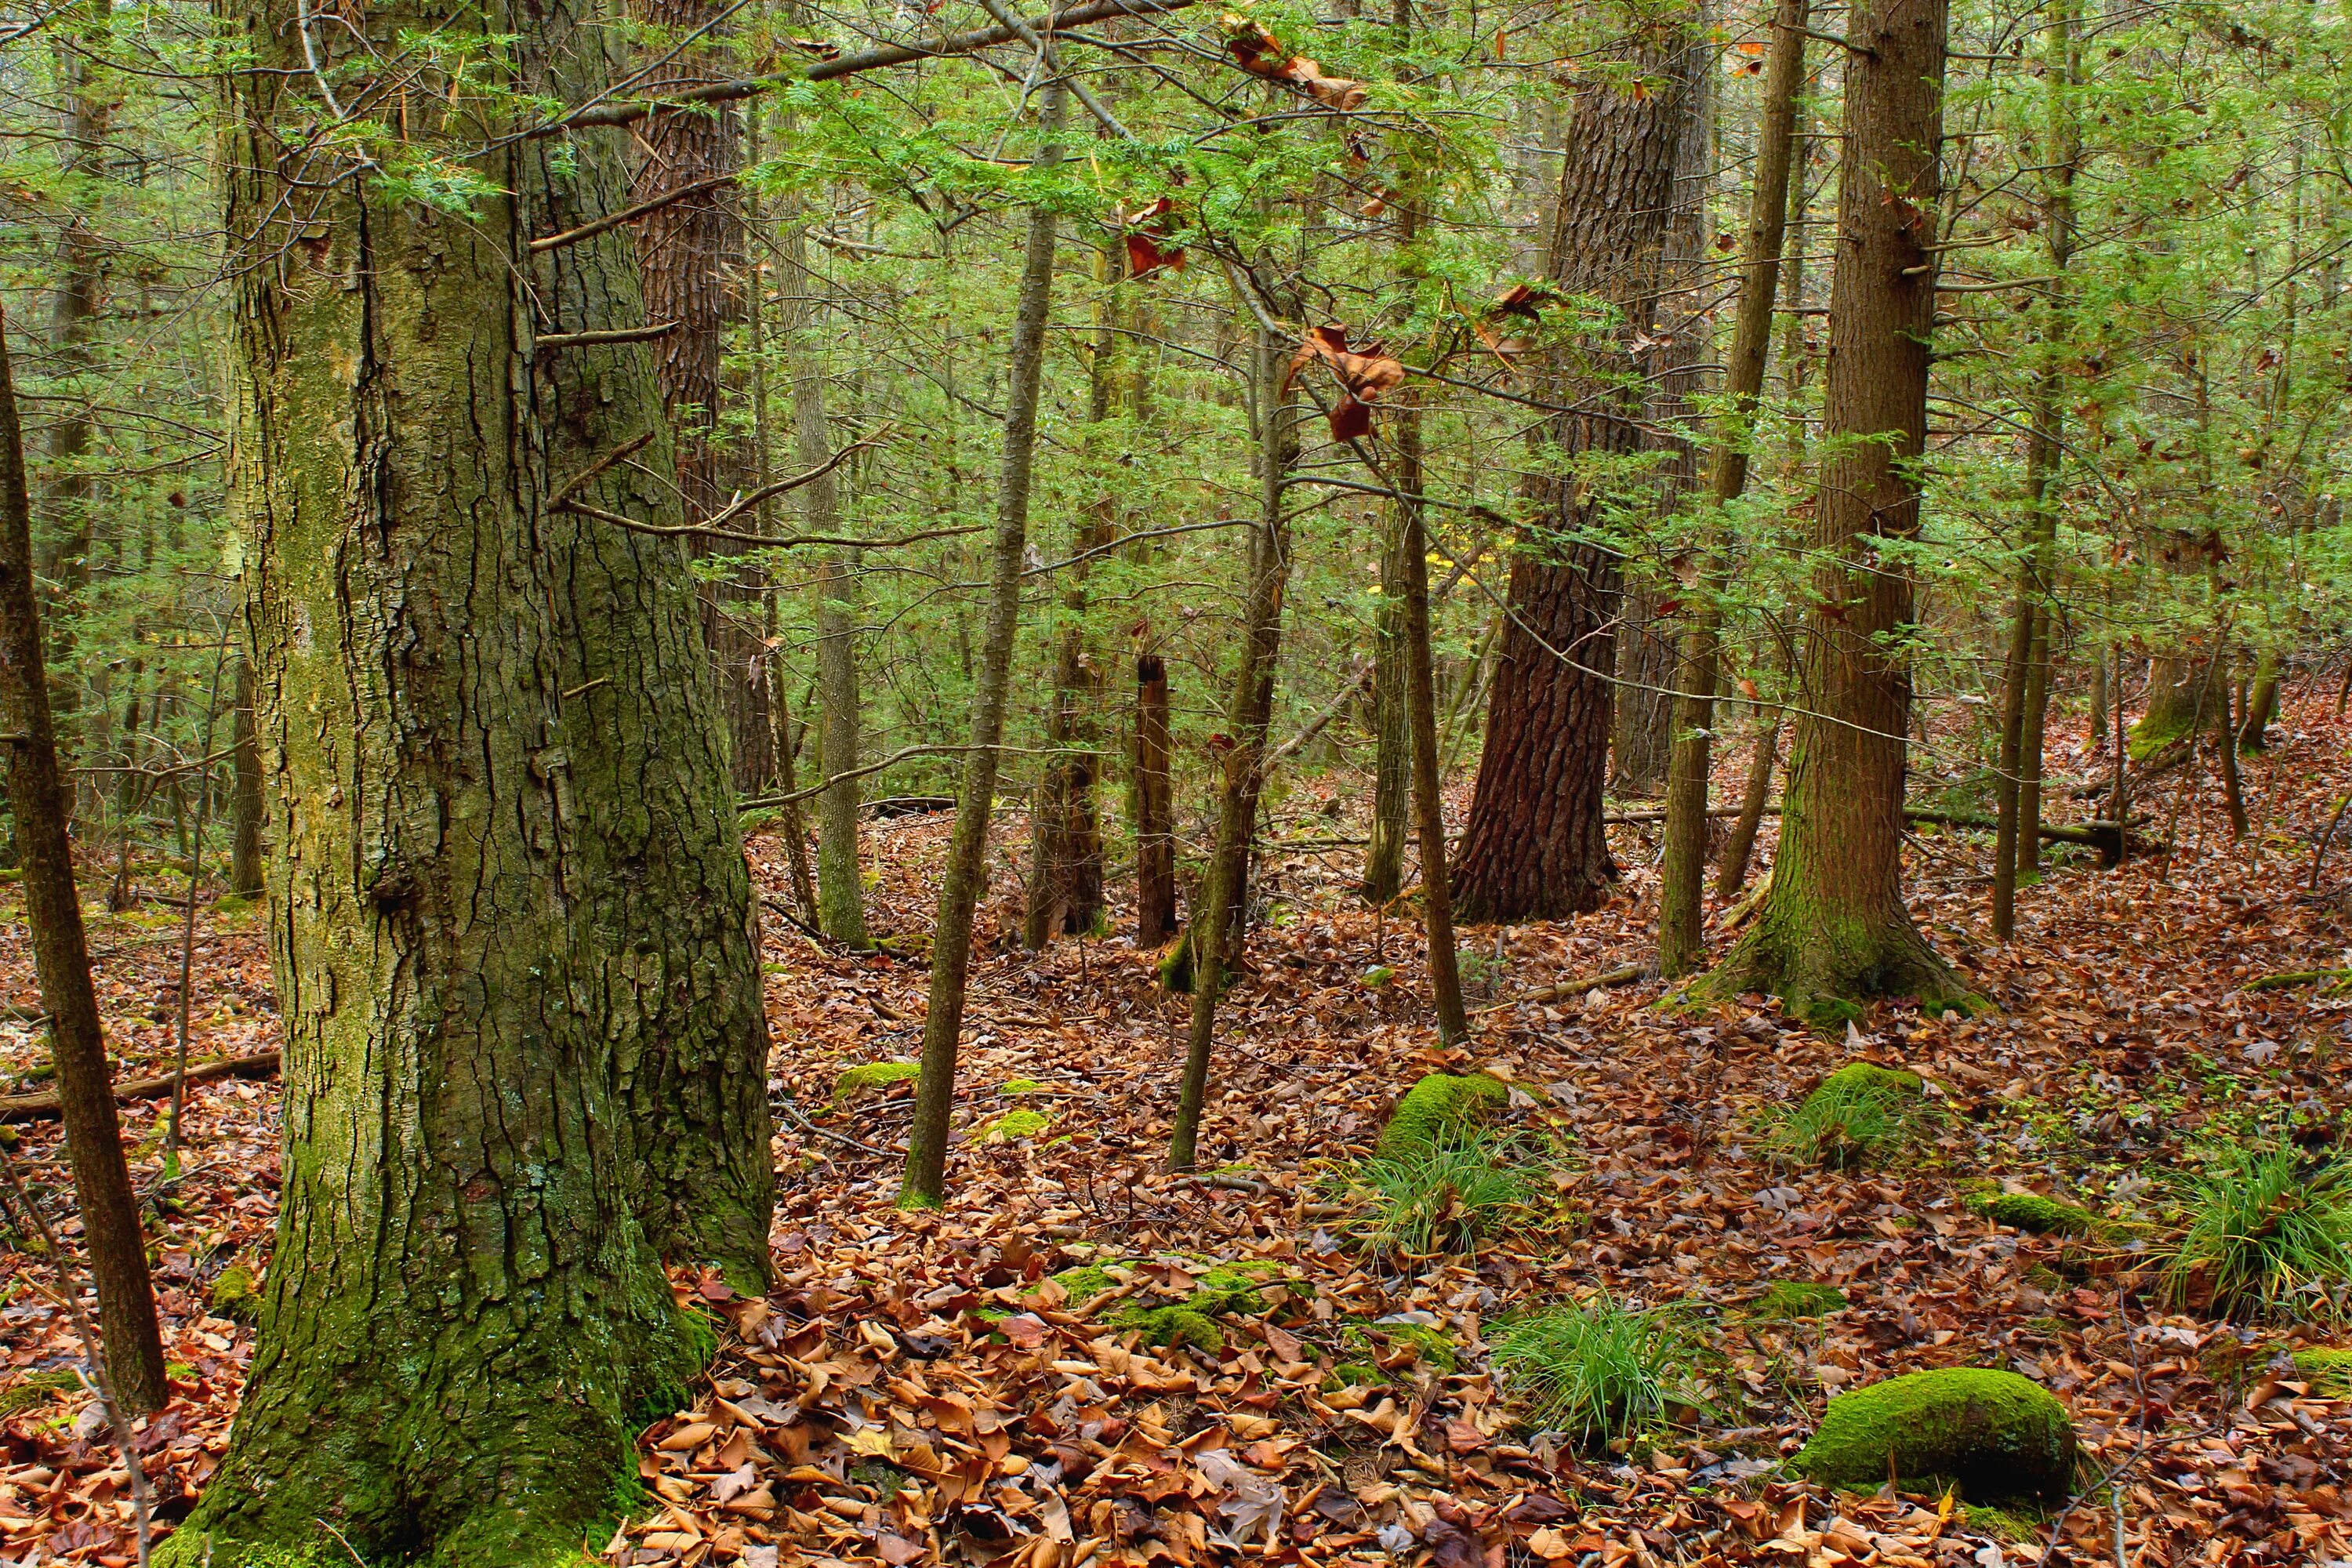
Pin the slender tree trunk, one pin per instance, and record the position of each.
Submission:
(1393, 753)
(2101, 666)
(1833, 925)
(1740, 844)
(840, 870)
(1534, 847)
(1681, 943)
(1241, 764)
(2262, 706)
(36, 791)
(245, 795)
(1421, 700)
(2234, 791)
(1155, 807)
(512, 924)
(925, 1184)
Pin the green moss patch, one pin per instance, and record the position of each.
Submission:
(1993, 1435)
(1013, 1124)
(1439, 1103)
(1860, 1112)
(2033, 1212)
(234, 1295)
(1225, 1287)
(1376, 1350)
(859, 1080)
(2328, 1369)
(1786, 1300)
(36, 1388)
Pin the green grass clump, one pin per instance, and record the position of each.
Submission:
(1858, 1112)
(1786, 1300)
(1014, 1124)
(856, 1080)
(2268, 1236)
(1992, 1435)
(2328, 1369)
(2033, 1212)
(1597, 1371)
(1437, 1104)
(1439, 1196)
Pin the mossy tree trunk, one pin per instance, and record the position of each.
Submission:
(1534, 846)
(511, 922)
(1833, 925)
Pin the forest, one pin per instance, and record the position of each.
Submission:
(1420, 783)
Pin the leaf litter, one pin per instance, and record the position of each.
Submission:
(922, 1387)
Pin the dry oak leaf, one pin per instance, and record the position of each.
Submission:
(1362, 377)
(1255, 51)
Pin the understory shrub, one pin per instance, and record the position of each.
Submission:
(1597, 1371)
(2267, 1235)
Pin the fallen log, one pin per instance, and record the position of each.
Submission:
(40, 1107)
(1624, 975)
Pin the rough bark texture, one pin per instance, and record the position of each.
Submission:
(1155, 807)
(1833, 925)
(116, 1246)
(1681, 943)
(244, 796)
(925, 1183)
(1534, 847)
(511, 918)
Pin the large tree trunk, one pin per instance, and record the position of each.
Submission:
(685, 249)
(925, 1182)
(131, 1349)
(1682, 944)
(1534, 847)
(1833, 925)
(511, 921)
(1243, 764)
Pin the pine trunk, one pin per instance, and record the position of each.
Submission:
(1534, 847)
(511, 922)
(1833, 925)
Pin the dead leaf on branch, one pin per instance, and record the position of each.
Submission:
(1362, 377)
(1255, 51)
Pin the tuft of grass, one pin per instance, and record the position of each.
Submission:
(2268, 1236)
(1598, 1371)
(1858, 1112)
(1443, 1195)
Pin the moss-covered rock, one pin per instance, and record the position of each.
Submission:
(1225, 1288)
(1786, 1300)
(1855, 1112)
(1013, 1124)
(861, 1080)
(1992, 1435)
(2033, 1212)
(2328, 1368)
(1437, 1104)
(234, 1295)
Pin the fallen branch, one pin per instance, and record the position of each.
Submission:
(603, 335)
(1624, 975)
(40, 1107)
(2293, 978)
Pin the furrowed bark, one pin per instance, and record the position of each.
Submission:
(511, 922)
(925, 1182)
(1833, 926)
(1534, 846)
(1681, 943)
(37, 794)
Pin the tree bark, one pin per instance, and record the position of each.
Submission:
(131, 1345)
(1155, 808)
(925, 1183)
(245, 795)
(1241, 763)
(1420, 701)
(1393, 740)
(1833, 925)
(1681, 943)
(511, 927)
(1534, 847)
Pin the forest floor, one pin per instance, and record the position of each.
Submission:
(867, 1411)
